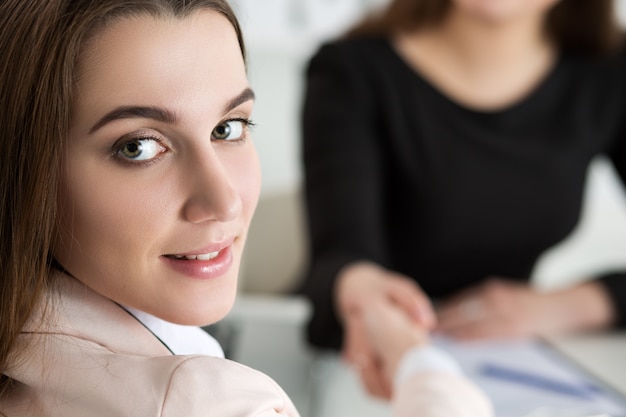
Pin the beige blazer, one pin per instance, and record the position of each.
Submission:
(92, 358)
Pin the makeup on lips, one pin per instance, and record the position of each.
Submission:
(203, 264)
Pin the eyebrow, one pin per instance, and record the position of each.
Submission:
(245, 95)
(140, 112)
(160, 114)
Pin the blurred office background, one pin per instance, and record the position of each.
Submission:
(265, 328)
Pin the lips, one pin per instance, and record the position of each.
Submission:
(203, 264)
(206, 253)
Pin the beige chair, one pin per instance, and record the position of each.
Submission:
(276, 250)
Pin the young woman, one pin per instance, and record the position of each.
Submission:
(128, 181)
(445, 147)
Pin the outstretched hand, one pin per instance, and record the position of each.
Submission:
(361, 286)
(391, 334)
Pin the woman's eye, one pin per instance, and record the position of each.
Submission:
(141, 149)
(230, 130)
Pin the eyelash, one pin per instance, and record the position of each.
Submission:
(117, 148)
(247, 125)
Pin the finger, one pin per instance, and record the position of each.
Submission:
(410, 298)
(374, 380)
(360, 350)
(356, 345)
(463, 312)
(362, 358)
(473, 331)
(486, 329)
(388, 327)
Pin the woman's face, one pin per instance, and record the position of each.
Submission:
(162, 177)
(499, 11)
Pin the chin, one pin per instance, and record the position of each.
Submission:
(198, 317)
(216, 315)
(212, 311)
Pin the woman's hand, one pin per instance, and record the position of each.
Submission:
(391, 334)
(361, 285)
(506, 309)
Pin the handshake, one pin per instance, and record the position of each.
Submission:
(402, 366)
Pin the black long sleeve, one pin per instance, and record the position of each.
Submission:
(399, 174)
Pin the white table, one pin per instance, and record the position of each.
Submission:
(603, 355)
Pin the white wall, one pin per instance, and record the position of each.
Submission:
(281, 36)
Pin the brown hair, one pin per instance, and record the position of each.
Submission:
(586, 26)
(40, 42)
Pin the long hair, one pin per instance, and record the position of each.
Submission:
(40, 43)
(583, 26)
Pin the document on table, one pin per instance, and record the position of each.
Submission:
(528, 378)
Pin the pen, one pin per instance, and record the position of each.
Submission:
(533, 380)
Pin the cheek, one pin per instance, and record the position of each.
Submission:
(247, 176)
(100, 213)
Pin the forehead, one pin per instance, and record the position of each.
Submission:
(161, 60)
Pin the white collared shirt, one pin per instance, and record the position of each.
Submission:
(181, 340)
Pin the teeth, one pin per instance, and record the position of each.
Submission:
(201, 257)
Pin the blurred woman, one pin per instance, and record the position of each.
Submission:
(446, 145)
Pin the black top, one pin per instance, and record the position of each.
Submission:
(398, 173)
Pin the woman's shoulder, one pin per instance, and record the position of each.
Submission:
(98, 382)
(191, 385)
(225, 387)
(98, 360)
(367, 61)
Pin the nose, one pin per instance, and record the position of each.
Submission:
(212, 196)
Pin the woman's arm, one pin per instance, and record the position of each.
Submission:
(344, 161)
(343, 179)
